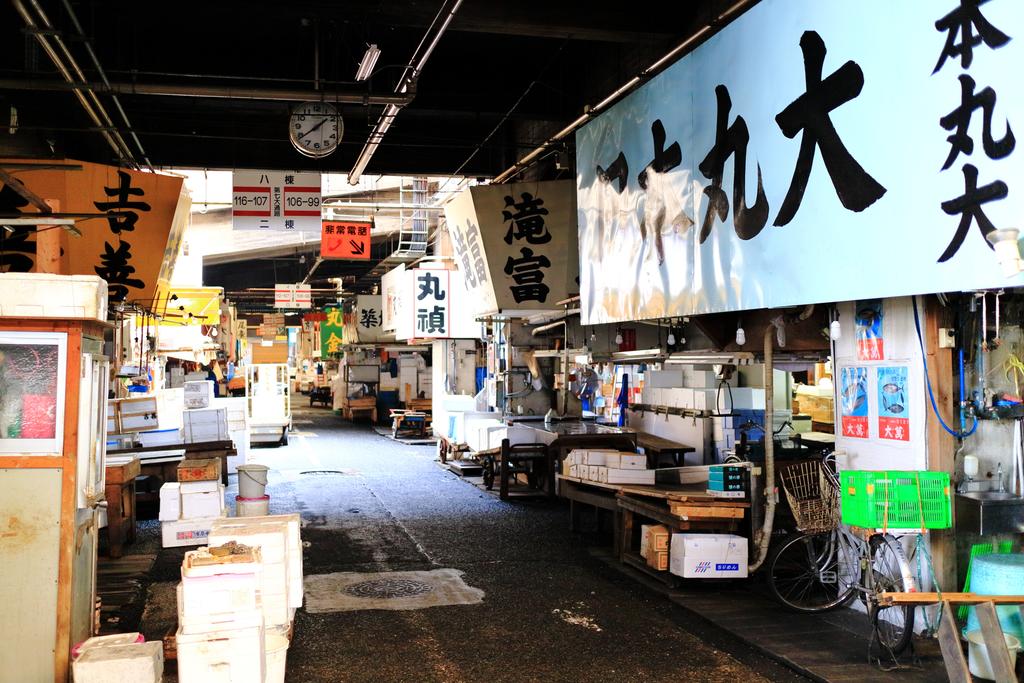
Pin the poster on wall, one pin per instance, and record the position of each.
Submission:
(869, 318)
(893, 409)
(853, 396)
(880, 137)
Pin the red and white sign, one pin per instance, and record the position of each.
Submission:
(345, 240)
(293, 296)
(276, 201)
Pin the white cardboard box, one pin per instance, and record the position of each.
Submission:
(631, 461)
(170, 502)
(708, 556)
(198, 394)
(203, 504)
(620, 476)
(186, 532)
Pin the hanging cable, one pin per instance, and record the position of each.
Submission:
(928, 382)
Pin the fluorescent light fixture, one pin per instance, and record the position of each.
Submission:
(687, 358)
(369, 61)
(654, 355)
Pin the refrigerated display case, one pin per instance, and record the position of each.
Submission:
(53, 390)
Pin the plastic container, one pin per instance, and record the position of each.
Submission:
(276, 656)
(998, 574)
(894, 499)
(252, 507)
(977, 654)
(252, 480)
(42, 295)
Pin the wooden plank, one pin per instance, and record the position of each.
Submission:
(952, 650)
(998, 654)
(956, 598)
(942, 543)
(705, 511)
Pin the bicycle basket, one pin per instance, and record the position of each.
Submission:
(813, 500)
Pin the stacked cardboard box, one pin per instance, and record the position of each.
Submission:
(654, 545)
(608, 467)
(728, 481)
(189, 506)
(708, 556)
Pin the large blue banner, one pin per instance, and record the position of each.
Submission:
(812, 151)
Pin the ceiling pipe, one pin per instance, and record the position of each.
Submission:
(592, 111)
(406, 85)
(115, 141)
(210, 92)
(103, 76)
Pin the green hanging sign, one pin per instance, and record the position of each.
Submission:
(332, 336)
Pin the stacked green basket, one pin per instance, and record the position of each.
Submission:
(894, 499)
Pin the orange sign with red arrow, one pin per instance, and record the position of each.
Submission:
(345, 240)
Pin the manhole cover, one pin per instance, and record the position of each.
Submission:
(326, 473)
(388, 588)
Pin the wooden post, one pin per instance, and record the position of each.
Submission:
(52, 246)
(941, 446)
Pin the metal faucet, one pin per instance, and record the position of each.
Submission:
(999, 476)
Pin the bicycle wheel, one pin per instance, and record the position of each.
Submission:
(893, 625)
(811, 573)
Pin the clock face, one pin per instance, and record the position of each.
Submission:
(315, 128)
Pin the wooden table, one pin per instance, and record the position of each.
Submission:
(120, 495)
(655, 447)
(167, 469)
(367, 405)
(679, 507)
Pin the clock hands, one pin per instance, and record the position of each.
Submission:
(314, 128)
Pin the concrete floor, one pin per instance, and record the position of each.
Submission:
(551, 611)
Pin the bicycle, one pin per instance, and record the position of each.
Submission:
(827, 566)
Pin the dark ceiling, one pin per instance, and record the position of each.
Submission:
(505, 75)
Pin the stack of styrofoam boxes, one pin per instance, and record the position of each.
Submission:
(138, 414)
(176, 378)
(198, 394)
(609, 467)
(220, 623)
(198, 497)
(728, 481)
(708, 556)
(206, 424)
(119, 657)
(281, 548)
(237, 415)
(654, 540)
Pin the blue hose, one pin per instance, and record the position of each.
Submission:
(928, 383)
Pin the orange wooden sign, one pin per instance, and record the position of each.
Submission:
(345, 240)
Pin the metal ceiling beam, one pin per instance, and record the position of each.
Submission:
(27, 194)
(213, 92)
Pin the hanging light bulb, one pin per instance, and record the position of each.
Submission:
(741, 336)
(618, 336)
(593, 335)
(671, 339)
(835, 330)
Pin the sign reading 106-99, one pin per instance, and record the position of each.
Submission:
(275, 201)
(811, 151)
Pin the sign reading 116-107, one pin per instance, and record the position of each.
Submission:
(275, 201)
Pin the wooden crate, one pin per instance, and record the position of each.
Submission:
(207, 469)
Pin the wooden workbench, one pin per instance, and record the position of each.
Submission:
(679, 507)
(656, 446)
(167, 468)
(120, 494)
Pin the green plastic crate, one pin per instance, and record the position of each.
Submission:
(892, 499)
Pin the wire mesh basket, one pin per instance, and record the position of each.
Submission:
(812, 496)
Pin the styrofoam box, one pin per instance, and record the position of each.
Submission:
(222, 594)
(745, 398)
(701, 379)
(186, 532)
(43, 295)
(138, 663)
(708, 556)
(204, 504)
(208, 486)
(235, 654)
(160, 437)
(244, 530)
(598, 456)
(664, 379)
(629, 461)
(170, 502)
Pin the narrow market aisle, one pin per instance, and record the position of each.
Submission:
(550, 611)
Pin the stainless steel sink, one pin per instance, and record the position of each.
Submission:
(989, 512)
